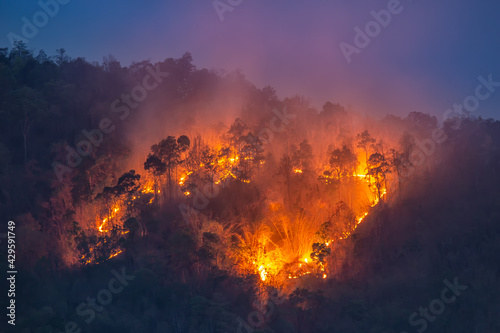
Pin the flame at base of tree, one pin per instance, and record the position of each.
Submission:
(289, 249)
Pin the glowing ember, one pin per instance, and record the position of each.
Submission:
(102, 224)
(360, 219)
(114, 211)
(115, 254)
(183, 177)
(263, 273)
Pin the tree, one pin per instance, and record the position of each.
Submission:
(167, 152)
(336, 110)
(128, 183)
(123, 192)
(183, 143)
(200, 164)
(61, 57)
(183, 71)
(301, 158)
(365, 142)
(285, 169)
(27, 107)
(157, 167)
(236, 133)
(378, 169)
(343, 162)
(407, 144)
(251, 155)
(422, 123)
(20, 51)
(42, 57)
(210, 166)
(111, 64)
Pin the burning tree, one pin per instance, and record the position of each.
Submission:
(285, 170)
(157, 167)
(378, 168)
(165, 157)
(302, 158)
(365, 142)
(251, 155)
(343, 162)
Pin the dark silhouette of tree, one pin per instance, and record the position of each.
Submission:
(406, 144)
(167, 152)
(28, 107)
(236, 133)
(399, 165)
(378, 168)
(157, 167)
(302, 157)
(251, 155)
(365, 142)
(126, 188)
(422, 123)
(111, 64)
(285, 170)
(61, 57)
(128, 183)
(343, 162)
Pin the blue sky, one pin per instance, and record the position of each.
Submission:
(427, 58)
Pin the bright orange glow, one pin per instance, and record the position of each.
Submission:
(263, 273)
(148, 187)
(183, 177)
(115, 254)
(282, 245)
(114, 211)
(274, 258)
(102, 224)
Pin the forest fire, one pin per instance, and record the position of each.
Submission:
(283, 245)
(162, 197)
(305, 265)
(112, 214)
